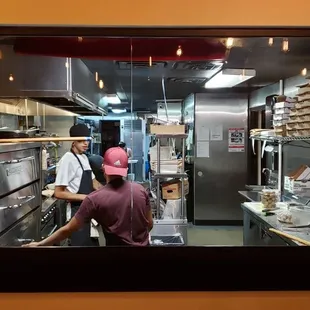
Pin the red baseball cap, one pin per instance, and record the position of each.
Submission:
(115, 162)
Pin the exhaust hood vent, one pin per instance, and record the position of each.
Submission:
(197, 65)
(197, 81)
(64, 83)
(126, 65)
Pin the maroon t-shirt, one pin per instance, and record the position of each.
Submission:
(110, 206)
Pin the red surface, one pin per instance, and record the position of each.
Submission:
(119, 49)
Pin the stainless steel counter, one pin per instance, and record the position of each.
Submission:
(250, 195)
(272, 222)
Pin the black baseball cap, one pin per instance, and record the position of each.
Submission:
(79, 130)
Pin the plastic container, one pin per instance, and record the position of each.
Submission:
(269, 198)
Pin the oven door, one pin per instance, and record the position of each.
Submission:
(18, 169)
(16, 205)
(49, 225)
(24, 231)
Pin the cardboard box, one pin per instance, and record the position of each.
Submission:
(172, 190)
(300, 174)
(295, 186)
(167, 129)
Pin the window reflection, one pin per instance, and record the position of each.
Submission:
(182, 111)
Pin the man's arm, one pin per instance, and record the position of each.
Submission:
(129, 153)
(150, 220)
(84, 215)
(62, 193)
(96, 184)
(59, 235)
(149, 211)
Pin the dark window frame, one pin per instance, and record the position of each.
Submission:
(154, 268)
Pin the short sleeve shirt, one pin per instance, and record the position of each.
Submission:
(69, 172)
(121, 208)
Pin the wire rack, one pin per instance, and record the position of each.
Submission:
(279, 139)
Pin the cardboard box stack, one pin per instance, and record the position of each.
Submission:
(281, 114)
(298, 180)
(299, 123)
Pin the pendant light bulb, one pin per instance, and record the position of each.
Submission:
(11, 78)
(80, 39)
(229, 42)
(285, 47)
(150, 61)
(179, 51)
(96, 76)
(304, 72)
(270, 41)
(101, 84)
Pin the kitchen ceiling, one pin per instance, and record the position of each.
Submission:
(185, 74)
(185, 77)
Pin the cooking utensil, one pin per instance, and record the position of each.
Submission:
(43, 139)
(288, 236)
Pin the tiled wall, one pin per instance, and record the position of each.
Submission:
(7, 120)
(60, 125)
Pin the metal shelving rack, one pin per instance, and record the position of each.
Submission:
(182, 221)
(280, 141)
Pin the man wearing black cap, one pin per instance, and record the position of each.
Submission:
(75, 180)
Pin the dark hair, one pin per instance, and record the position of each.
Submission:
(122, 144)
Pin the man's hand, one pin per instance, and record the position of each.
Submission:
(31, 245)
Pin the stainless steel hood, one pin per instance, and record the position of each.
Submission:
(64, 83)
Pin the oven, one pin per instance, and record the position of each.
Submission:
(50, 217)
(20, 194)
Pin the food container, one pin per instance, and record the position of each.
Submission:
(269, 198)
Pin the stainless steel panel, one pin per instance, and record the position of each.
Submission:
(32, 74)
(14, 206)
(83, 81)
(218, 179)
(18, 168)
(174, 111)
(258, 97)
(25, 231)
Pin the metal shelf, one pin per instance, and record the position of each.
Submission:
(174, 136)
(280, 139)
(170, 175)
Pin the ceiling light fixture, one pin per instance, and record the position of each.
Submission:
(285, 47)
(179, 51)
(270, 41)
(229, 42)
(230, 78)
(304, 72)
(111, 99)
(101, 84)
(96, 76)
(11, 78)
(119, 111)
(150, 61)
(80, 39)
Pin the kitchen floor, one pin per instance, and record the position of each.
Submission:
(215, 235)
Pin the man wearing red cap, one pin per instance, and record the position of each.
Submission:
(122, 208)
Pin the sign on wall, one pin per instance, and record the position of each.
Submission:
(236, 140)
